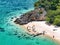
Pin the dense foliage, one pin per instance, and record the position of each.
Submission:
(53, 10)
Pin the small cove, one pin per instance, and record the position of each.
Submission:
(9, 10)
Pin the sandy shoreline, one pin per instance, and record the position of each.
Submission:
(40, 26)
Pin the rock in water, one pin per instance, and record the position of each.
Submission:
(2, 29)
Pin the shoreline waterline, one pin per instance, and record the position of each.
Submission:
(45, 34)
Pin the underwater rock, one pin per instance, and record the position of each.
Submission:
(12, 17)
(15, 33)
(2, 29)
(37, 42)
(9, 33)
(25, 8)
(18, 36)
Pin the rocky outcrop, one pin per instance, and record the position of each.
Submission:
(31, 16)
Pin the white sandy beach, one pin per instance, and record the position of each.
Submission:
(41, 26)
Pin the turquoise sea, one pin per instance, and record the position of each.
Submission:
(10, 9)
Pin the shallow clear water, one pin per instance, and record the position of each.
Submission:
(14, 8)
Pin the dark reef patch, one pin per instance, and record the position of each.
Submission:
(2, 29)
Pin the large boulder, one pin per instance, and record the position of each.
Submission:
(30, 16)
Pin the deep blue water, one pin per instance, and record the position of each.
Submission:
(10, 9)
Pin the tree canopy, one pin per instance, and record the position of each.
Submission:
(53, 10)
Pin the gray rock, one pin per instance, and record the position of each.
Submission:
(30, 16)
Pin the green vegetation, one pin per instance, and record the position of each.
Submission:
(48, 4)
(53, 17)
(53, 10)
(57, 20)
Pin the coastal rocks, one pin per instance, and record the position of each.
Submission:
(31, 16)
